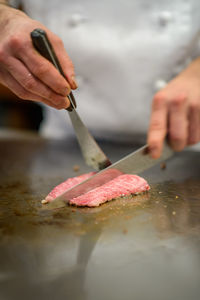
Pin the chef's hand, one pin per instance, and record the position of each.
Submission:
(176, 112)
(23, 70)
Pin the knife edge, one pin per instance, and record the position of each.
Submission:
(134, 163)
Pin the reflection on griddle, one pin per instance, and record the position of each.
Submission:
(140, 246)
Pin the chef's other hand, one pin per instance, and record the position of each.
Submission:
(23, 70)
(176, 112)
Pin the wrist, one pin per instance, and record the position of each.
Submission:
(4, 6)
(4, 3)
(8, 14)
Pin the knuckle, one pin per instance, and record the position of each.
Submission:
(178, 139)
(158, 100)
(41, 71)
(157, 125)
(193, 140)
(159, 97)
(195, 106)
(15, 42)
(18, 43)
(179, 100)
(29, 84)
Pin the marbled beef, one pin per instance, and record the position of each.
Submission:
(122, 185)
(66, 185)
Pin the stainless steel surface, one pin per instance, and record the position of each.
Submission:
(134, 163)
(139, 161)
(144, 248)
(92, 153)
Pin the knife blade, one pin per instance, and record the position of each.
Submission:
(134, 163)
(91, 151)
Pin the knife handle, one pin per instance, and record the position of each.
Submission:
(44, 47)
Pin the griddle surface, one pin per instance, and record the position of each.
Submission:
(145, 248)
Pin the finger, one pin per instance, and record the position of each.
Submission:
(178, 123)
(194, 124)
(9, 81)
(66, 63)
(41, 68)
(158, 125)
(32, 84)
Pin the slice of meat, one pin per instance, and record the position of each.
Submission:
(66, 185)
(122, 185)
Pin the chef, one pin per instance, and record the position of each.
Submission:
(126, 53)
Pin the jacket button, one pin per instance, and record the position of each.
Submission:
(159, 84)
(76, 19)
(165, 18)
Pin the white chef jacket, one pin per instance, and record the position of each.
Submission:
(123, 52)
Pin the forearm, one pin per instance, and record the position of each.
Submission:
(176, 112)
(29, 75)
(5, 2)
(4, 6)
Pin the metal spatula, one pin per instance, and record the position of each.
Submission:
(91, 151)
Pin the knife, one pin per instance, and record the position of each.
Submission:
(92, 153)
(134, 163)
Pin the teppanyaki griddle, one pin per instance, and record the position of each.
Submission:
(146, 247)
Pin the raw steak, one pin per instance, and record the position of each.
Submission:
(66, 185)
(122, 185)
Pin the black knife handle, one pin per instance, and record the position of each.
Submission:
(44, 47)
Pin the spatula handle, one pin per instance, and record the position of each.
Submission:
(44, 47)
